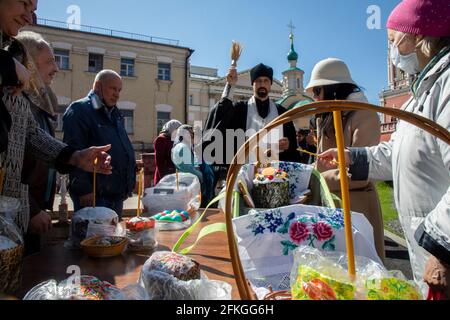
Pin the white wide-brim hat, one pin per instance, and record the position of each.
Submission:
(328, 72)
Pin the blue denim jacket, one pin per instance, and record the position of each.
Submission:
(85, 126)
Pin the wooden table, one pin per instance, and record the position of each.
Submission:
(212, 253)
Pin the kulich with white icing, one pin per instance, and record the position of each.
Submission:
(177, 265)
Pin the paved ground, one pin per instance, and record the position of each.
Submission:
(397, 257)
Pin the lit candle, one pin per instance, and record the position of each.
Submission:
(178, 181)
(95, 182)
(140, 187)
(345, 193)
(314, 155)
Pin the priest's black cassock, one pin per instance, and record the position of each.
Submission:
(228, 115)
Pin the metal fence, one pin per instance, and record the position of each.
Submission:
(106, 32)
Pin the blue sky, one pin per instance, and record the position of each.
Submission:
(324, 28)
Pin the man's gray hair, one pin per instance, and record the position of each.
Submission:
(33, 42)
(105, 75)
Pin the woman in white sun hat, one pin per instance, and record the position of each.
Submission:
(331, 80)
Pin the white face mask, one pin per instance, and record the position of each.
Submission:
(408, 63)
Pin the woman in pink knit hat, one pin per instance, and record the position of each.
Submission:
(417, 162)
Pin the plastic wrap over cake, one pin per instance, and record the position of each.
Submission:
(10, 235)
(84, 288)
(177, 265)
(320, 275)
(9, 207)
(141, 233)
(170, 195)
(268, 238)
(11, 246)
(170, 276)
(90, 222)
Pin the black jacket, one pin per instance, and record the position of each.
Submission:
(84, 126)
(228, 115)
(8, 77)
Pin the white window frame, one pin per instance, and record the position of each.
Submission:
(62, 55)
(164, 73)
(129, 69)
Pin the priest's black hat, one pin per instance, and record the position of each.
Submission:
(261, 70)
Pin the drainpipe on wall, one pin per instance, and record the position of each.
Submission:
(186, 85)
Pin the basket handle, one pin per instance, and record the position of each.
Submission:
(305, 111)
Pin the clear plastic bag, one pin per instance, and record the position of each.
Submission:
(11, 246)
(84, 288)
(163, 286)
(168, 195)
(9, 207)
(320, 275)
(267, 240)
(164, 274)
(90, 222)
(142, 241)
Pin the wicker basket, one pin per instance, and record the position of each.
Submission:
(11, 269)
(427, 125)
(94, 250)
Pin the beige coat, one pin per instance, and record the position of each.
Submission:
(362, 129)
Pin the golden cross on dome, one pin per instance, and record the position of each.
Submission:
(292, 27)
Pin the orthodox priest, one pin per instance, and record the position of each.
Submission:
(250, 116)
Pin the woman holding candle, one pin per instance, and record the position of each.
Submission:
(331, 80)
(417, 162)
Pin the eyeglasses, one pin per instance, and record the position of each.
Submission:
(317, 91)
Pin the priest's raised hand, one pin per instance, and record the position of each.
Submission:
(232, 77)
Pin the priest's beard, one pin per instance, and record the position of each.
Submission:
(262, 93)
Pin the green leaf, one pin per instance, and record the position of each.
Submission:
(288, 246)
(330, 244)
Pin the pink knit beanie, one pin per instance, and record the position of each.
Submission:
(429, 18)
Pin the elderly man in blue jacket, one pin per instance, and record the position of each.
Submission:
(96, 120)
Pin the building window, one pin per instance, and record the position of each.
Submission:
(162, 119)
(191, 100)
(62, 59)
(127, 67)
(95, 62)
(164, 71)
(128, 116)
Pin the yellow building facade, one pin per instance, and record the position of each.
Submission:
(155, 76)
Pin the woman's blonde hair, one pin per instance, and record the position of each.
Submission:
(430, 46)
(33, 42)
